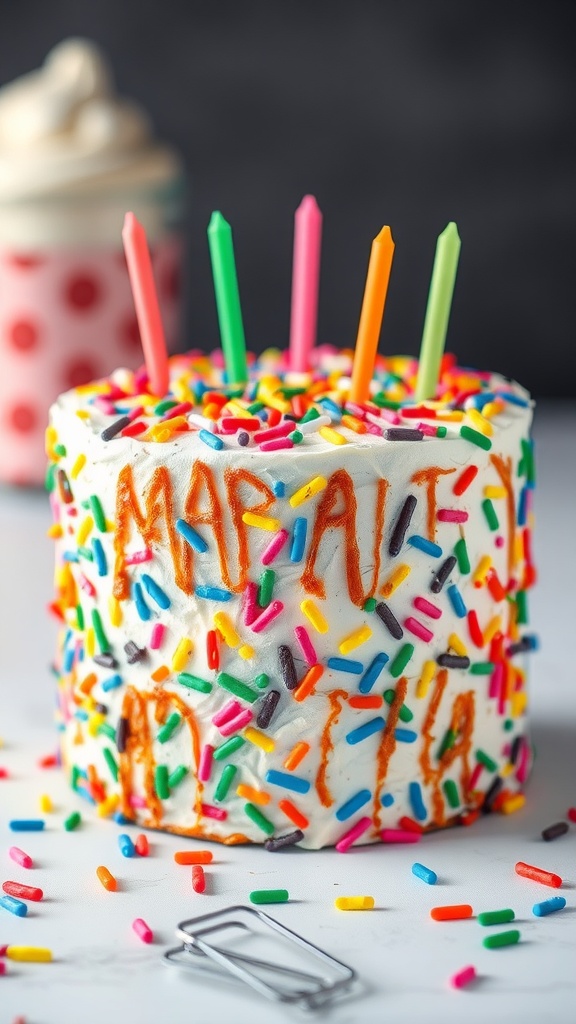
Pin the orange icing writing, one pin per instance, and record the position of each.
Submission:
(326, 746)
(462, 724)
(202, 478)
(387, 747)
(233, 479)
(429, 478)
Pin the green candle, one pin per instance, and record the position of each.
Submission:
(438, 311)
(227, 298)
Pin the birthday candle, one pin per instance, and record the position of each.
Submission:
(146, 303)
(438, 311)
(371, 315)
(227, 298)
(305, 281)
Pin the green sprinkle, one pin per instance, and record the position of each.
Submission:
(385, 403)
(238, 688)
(461, 552)
(269, 896)
(101, 637)
(528, 461)
(451, 793)
(296, 437)
(194, 682)
(441, 431)
(259, 819)
(370, 604)
(266, 587)
(254, 408)
(292, 392)
(111, 762)
(80, 616)
(162, 407)
(262, 681)
(501, 939)
(496, 917)
(224, 782)
(522, 608)
(75, 776)
(98, 513)
(229, 747)
(401, 660)
(60, 450)
(486, 760)
(405, 715)
(311, 414)
(49, 479)
(105, 729)
(508, 725)
(86, 553)
(72, 821)
(482, 668)
(475, 437)
(447, 743)
(175, 777)
(169, 727)
(161, 782)
(490, 514)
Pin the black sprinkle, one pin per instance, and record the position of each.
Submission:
(555, 831)
(280, 841)
(115, 428)
(403, 434)
(287, 667)
(442, 575)
(402, 524)
(491, 795)
(526, 643)
(134, 653)
(243, 438)
(389, 619)
(267, 709)
(515, 749)
(121, 734)
(102, 709)
(107, 660)
(453, 661)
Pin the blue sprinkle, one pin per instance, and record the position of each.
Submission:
(332, 409)
(415, 794)
(85, 795)
(26, 825)
(299, 531)
(455, 598)
(81, 715)
(477, 401)
(14, 906)
(523, 507)
(213, 593)
(111, 683)
(70, 556)
(156, 592)
(405, 735)
(387, 800)
(189, 533)
(141, 606)
(363, 731)
(353, 804)
(549, 906)
(279, 488)
(513, 399)
(426, 874)
(126, 845)
(372, 672)
(121, 819)
(293, 782)
(68, 660)
(99, 557)
(345, 665)
(425, 545)
(211, 440)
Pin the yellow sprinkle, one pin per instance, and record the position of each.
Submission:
(513, 804)
(354, 903)
(92, 388)
(84, 530)
(355, 639)
(492, 628)
(494, 492)
(426, 678)
(308, 491)
(108, 806)
(50, 440)
(262, 522)
(518, 703)
(479, 577)
(54, 531)
(160, 674)
(78, 466)
(333, 436)
(457, 646)
(492, 409)
(110, 526)
(225, 626)
(46, 805)
(83, 414)
(115, 610)
(238, 409)
(254, 795)
(90, 642)
(478, 422)
(450, 416)
(507, 770)
(29, 954)
(259, 739)
(94, 723)
(246, 652)
(395, 579)
(314, 615)
(181, 654)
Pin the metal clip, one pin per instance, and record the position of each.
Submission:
(286, 980)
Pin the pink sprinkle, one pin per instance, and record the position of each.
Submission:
(274, 432)
(142, 930)
(418, 629)
(105, 405)
(205, 765)
(356, 410)
(463, 977)
(137, 801)
(275, 446)
(138, 557)
(21, 858)
(427, 429)
(3, 773)
(249, 602)
(177, 410)
(523, 763)
(427, 607)
(400, 835)
(234, 724)
(306, 645)
(157, 636)
(372, 429)
(135, 413)
(217, 813)
(475, 776)
(451, 515)
(276, 544)
(496, 680)
(499, 542)
(269, 613)
(88, 587)
(354, 833)
(390, 416)
(2, 964)
(230, 710)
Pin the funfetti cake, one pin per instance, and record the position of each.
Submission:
(287, 617)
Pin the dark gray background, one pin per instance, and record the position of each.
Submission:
(410, 113)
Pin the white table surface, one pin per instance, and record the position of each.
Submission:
(103, 973)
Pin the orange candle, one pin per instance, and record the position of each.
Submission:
(371, 316)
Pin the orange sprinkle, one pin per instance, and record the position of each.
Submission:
(470, 818)
(160, 674)
(292, 812)
(107, 879)
(308, 683)
(354, 424)
(296, 755)
(456, 912)
(88, 682)
(254, 795)
(193, 856)
(365, 702)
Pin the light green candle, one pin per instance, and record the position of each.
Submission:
(227, 298)
(438, 311)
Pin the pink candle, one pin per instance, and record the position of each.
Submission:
(305, 282)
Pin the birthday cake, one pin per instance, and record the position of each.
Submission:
(287, 617)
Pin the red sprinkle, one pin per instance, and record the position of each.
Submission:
(23, 892)
(464, 480)
(538, 874)
(571, 814)
(49, 761)
(142, 845)
(198, 878)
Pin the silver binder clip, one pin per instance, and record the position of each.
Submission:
(247, 938)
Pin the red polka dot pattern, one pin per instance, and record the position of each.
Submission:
(130, 333)
(77, 372)
(26, 261)
(23, 417)
(23, 335)
(83, 292)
